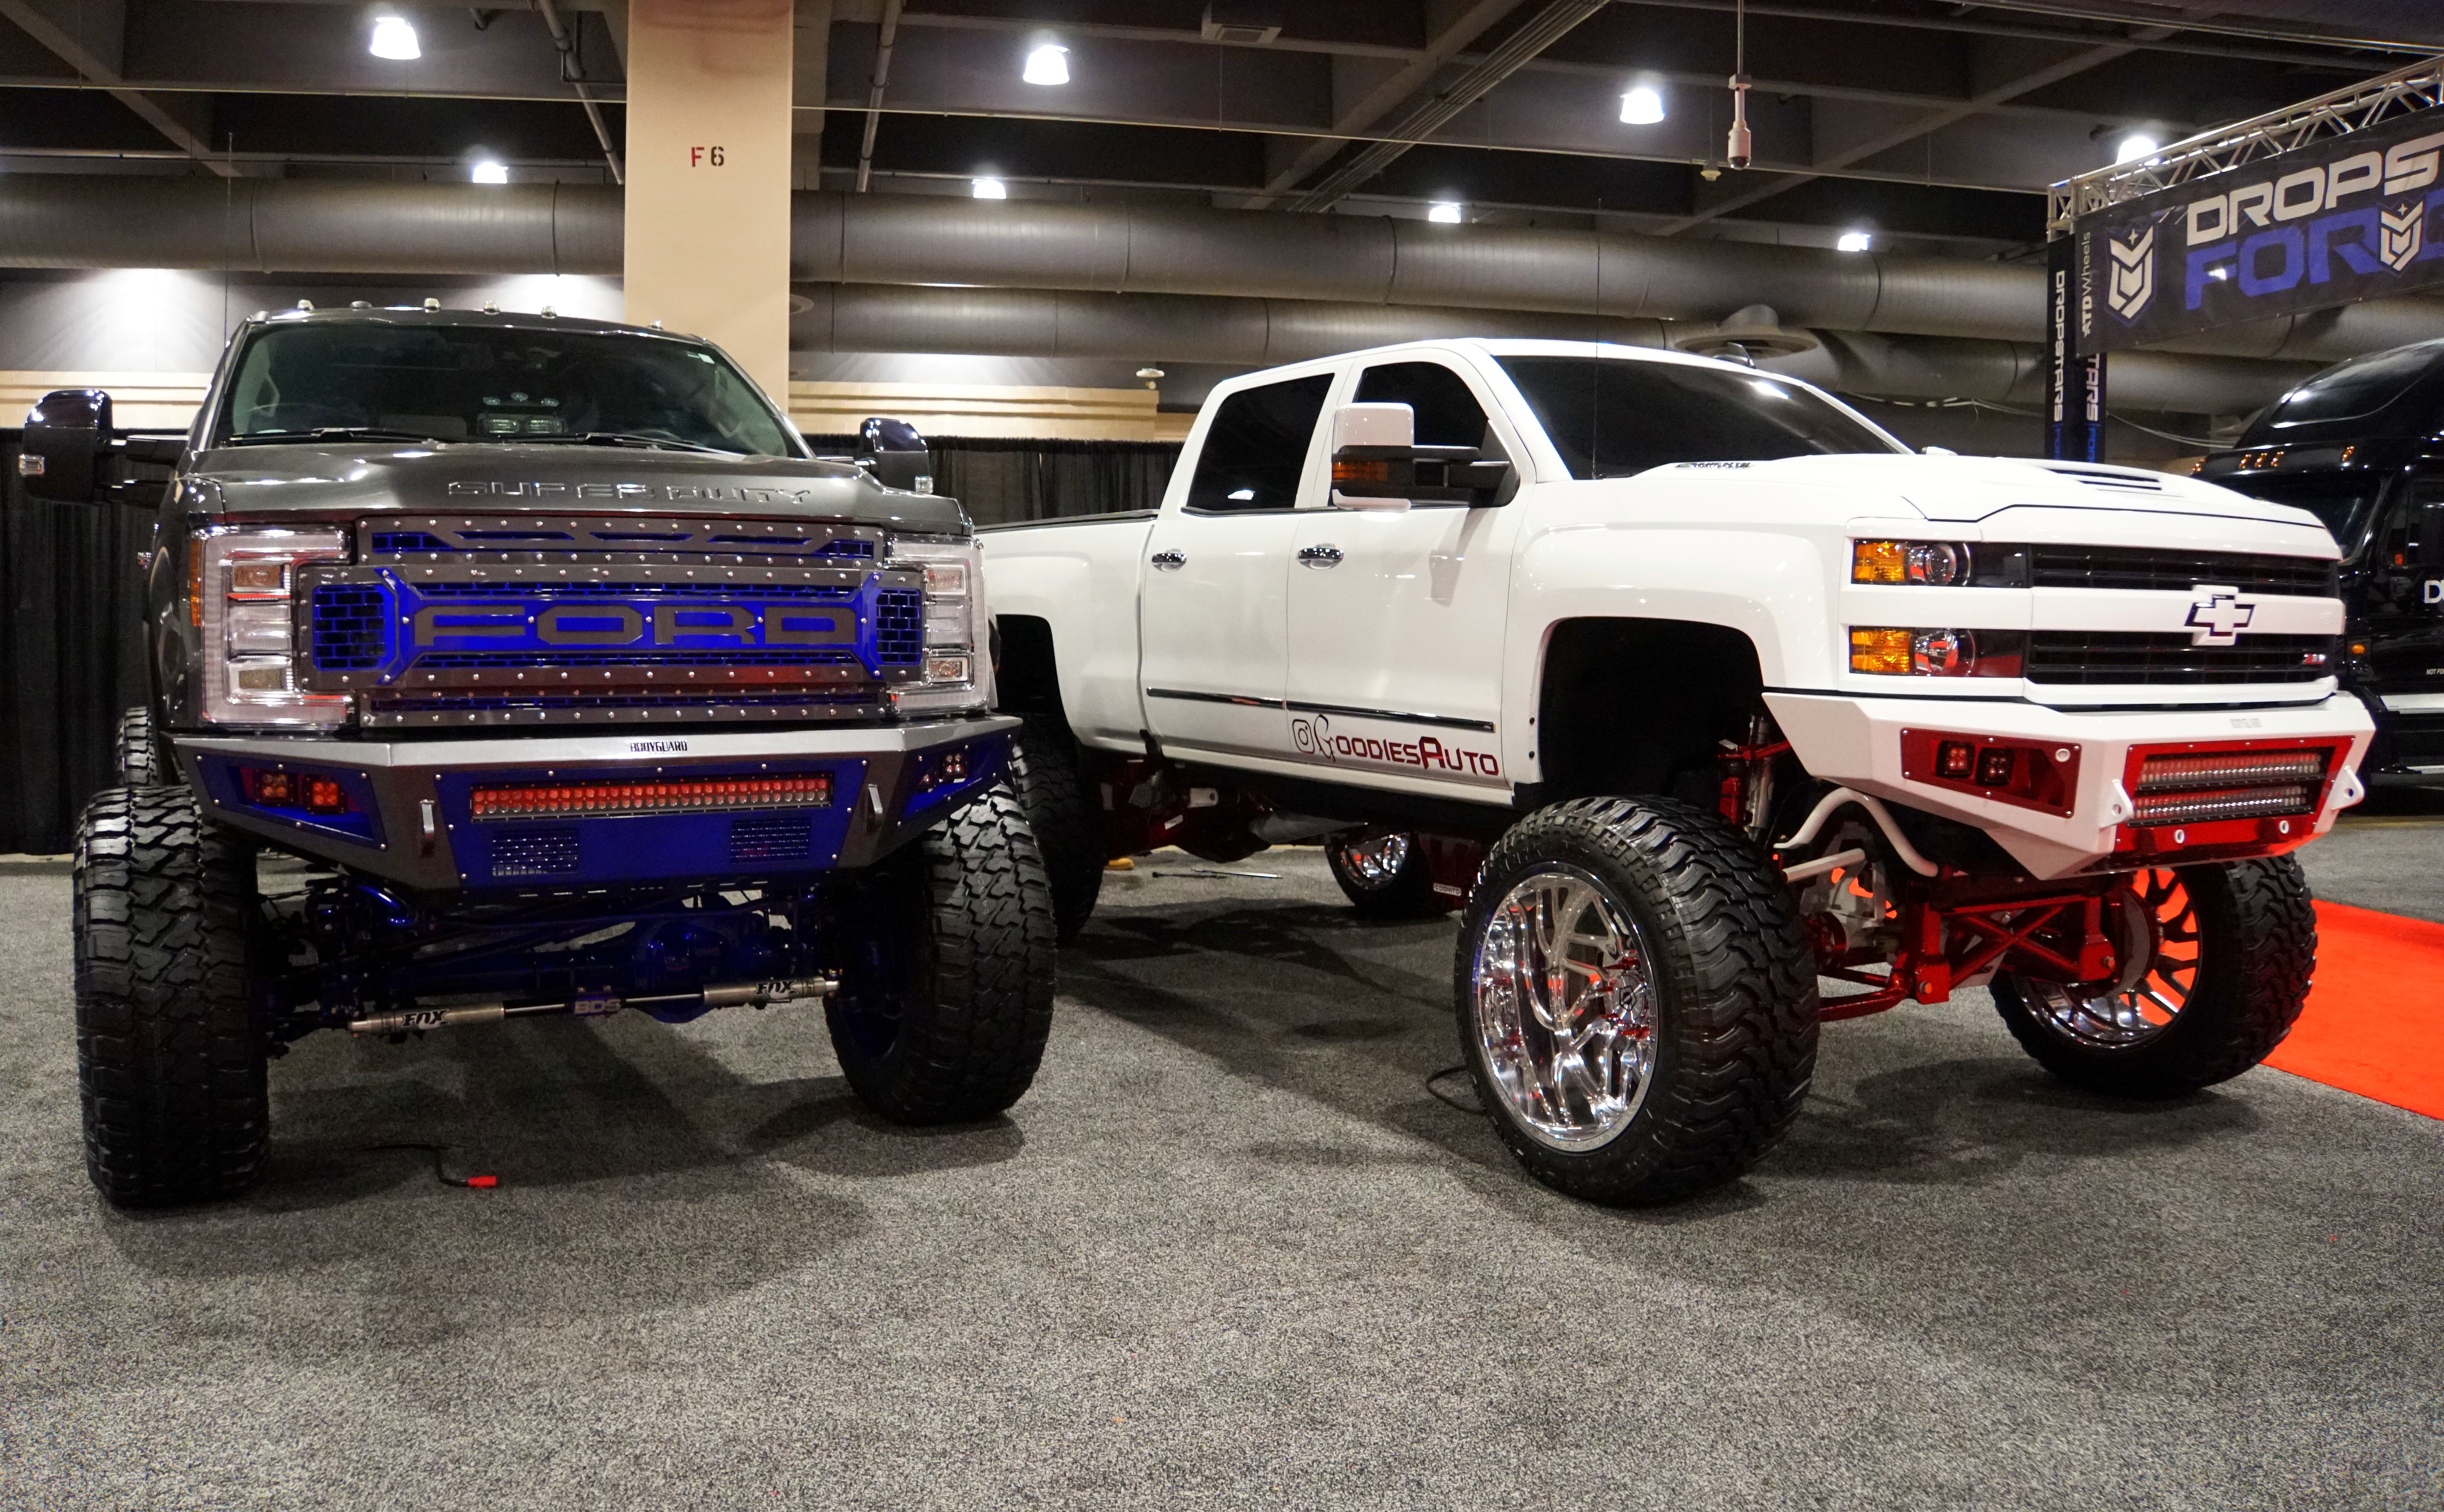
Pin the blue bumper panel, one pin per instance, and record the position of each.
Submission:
(226, 781)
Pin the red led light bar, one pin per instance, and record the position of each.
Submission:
(684, 795)
(316, 795)
(2032, 774)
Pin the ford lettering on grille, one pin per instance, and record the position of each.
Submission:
(535, 624)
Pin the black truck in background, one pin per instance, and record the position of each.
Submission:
(2362, 444)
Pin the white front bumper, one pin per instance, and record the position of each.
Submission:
(1857, 742)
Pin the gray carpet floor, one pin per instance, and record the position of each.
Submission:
(1229, 1252)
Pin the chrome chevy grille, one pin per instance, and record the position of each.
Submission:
(526, 620)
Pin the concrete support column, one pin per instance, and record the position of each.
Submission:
(707, 206)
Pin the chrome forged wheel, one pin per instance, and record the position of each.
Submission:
(1384, 877)
(1635, 998)
(2216, 963)
(2154, 923)
(1565, 1011)
(1375, 861)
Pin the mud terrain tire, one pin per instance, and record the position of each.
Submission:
(2258, 949)
(1067, 820)
(169, 1049)
(1731, 1007)
(946, 978)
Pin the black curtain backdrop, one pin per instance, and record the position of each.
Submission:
(72, 603)
(71, 653)
(1002, 482)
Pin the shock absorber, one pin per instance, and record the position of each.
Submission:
(741, 994)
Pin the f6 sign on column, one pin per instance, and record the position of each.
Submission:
(705, 157)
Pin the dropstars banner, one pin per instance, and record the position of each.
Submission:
(2356, 217)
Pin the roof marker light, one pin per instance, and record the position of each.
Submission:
(1641, 106)
(1047, 64)
(1445, 212)
(393, 37)
(989, 188)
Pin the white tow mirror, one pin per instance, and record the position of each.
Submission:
(1367, 441)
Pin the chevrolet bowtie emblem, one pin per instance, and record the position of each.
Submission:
(2217, 616)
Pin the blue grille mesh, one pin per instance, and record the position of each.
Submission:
(636, 590)
(351, 626)
(535, 851)
(755, 657)
(769, 837)
(898, 627)
(391, 542)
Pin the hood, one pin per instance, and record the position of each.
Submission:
(1972, 489)
(352, 479)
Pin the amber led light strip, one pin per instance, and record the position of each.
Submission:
(701, 795)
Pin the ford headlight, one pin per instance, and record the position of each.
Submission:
(241, 585)
(956, 676)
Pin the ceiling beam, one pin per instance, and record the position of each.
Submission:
(91, 40)
(1858, 152)
(1971, 26)
(1465, 27)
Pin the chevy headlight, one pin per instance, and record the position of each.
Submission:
(956, 673)
(243, 583)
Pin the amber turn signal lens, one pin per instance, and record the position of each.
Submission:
(1881, 651)
(1878, 562)
(1361, 473)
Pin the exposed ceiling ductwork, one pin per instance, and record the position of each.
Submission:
(51, 221)
(1260, 333)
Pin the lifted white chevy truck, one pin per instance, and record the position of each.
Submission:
(1690, 686)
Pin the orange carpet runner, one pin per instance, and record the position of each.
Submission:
(2375, 1020)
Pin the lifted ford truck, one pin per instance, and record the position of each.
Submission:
(583, 687)
(1690, 686)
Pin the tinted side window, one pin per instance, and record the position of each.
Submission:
(1447, 414)
(1256, 447)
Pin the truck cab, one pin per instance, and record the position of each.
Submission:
(2362, 445)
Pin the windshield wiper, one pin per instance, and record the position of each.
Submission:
(626, 438)
(326, 433)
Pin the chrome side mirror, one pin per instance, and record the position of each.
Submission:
(1377, 465)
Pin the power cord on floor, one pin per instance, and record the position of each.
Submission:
(479, 1183)
(1435, 1093)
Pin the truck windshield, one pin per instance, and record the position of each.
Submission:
(495, 383)
(2361, 386)
(1613, 416)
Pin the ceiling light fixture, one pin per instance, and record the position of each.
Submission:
(1641, 106)
(488, 172)
(987, 189)
(394, 38)
(1444, 213)
(2134, 146)
(1853, 242)
(1047, 64)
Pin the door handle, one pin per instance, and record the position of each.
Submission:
(1321, 556)
(1170, 561)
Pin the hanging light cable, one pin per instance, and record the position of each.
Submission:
(1736, 150)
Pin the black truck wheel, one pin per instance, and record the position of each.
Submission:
(144, 759)
(946, 983)
(1637, 1003)
(170, 1048)
(1062, 810)
(1384, 877)
(2216, 963)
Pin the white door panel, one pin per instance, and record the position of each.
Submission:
(1395, 661)
(1213, 629)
